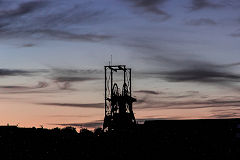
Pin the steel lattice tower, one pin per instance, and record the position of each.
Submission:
(118, 102)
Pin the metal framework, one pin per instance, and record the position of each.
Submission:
(118, 102)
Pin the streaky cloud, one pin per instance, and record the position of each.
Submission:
(148, 92)
(18, 72)
(53, 34)
(26, 20)
(66, 35)
(190, 104)
(74, 75)
(192, 70)
(67, 116)
(80, 105)
(22, 9)
(204, 4)
(230, 112)
(39, 85)
(93, 124)
(201, 21)
(200, 75)
(28, 45)
(225, 115)
(18, 89)
(75, 79)
(150, 6)
(64, 77)
(142, 120)
(235, 35)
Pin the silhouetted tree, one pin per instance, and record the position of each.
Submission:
(69, 130)
(86, 132)
(98, 131)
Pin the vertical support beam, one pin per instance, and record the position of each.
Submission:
(130, 81)
(124, 79)
(111, 87)
(105, 95)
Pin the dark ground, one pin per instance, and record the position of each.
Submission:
(163, 139)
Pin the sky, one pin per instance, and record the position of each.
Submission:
(184, 57)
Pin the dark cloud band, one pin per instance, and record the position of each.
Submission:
(203, 4)
(88, 105)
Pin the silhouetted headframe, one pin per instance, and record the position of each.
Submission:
(118, 103)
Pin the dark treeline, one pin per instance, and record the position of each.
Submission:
(163, 139)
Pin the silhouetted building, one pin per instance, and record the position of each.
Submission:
(118, 102)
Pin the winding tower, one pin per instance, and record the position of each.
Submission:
(118, 101)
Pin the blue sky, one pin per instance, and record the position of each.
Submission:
(184, 56)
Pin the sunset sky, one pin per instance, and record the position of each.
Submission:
(184, 57)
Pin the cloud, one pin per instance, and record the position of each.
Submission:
(80, 105)
(74, 79)
(178, 96)
(66, 85)
(142, 100)
(26, 20)
(142, 120)
(204, 4)
(165, 99)
(238, 20)
(178, 66)
(230, 65)
(236, 34)
(28, 45)
(201, 74)
(67, 116)
(15, 87)
(201, 21)
(16, 72)
(65, 77)
(11, 89)
(65, 35)
(213, 76)
(225, 113)
(69, 71)
(150, 6)
(39, 85)
(210, 103)
(93, 124)
(52, 34)
(192, 70)
(190, 104)
(148, 92)
(29, 92)
(22, 9)
(74, 75)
